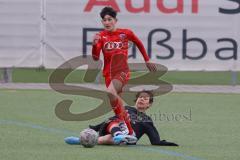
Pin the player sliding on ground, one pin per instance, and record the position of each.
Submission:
(140, 121)
(113, 42)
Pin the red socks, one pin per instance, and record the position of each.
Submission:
(122, 114)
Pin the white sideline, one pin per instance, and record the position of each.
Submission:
(176, 88)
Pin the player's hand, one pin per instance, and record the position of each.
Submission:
(96, 38)
(151, 66)
(166, 143)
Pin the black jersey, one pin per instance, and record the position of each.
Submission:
(141, 123)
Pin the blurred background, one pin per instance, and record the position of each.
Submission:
(198, 41)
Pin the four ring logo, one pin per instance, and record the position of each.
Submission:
(115, 45)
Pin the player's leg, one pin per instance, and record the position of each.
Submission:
(106, 140)
(114, 89)
(120, 139)
(104, 131)
(111, 133)
(118, 76)
(119, 134)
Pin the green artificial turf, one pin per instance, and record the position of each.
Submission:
(206, 126)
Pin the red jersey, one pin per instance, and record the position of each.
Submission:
(114, 46)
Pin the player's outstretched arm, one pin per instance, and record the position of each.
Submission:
(154, 137)
(151, 66)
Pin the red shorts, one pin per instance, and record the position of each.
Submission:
(123, 77)
(118, 69)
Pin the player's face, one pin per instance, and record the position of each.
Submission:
(109, 23)
(142, 103)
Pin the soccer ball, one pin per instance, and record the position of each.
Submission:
(89, 138)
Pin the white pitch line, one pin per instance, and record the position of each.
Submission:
(176, 88)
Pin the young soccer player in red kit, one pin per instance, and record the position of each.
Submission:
(113, 42)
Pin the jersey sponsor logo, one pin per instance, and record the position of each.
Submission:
(115, 45)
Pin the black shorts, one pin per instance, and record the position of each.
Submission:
(102, 128)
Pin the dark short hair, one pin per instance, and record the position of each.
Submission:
(108, 11)
(150, 93)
